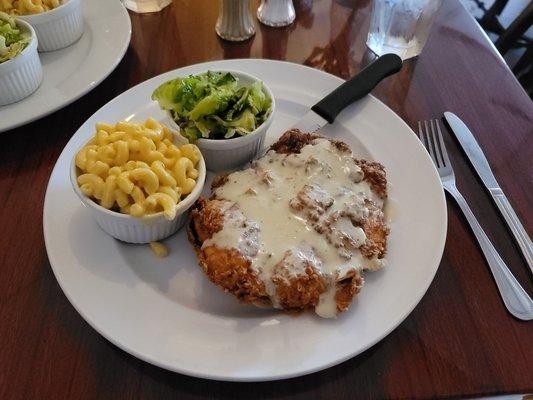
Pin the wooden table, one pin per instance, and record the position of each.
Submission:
(459, 341)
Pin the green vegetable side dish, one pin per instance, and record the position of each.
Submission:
(12, 40)
(213, 106)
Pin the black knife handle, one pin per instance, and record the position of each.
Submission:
(358, 86)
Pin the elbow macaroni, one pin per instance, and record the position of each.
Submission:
(25, 7)
(136, 169)
(159, 249)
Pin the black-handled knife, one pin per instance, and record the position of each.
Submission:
(327, 109)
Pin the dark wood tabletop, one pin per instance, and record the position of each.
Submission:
(459, 341)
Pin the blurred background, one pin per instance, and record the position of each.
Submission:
(508, 24)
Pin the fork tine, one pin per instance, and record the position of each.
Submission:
(438, 149)
(445, 157)
(420, 133)
(429, 145)
(421, 136)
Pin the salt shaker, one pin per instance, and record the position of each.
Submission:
(276, 12)
(235, 22)
(146, 6)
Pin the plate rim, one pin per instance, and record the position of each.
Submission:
(95, 83)
(259, 378)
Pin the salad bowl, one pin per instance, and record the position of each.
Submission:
(228, 153)
(21, 75)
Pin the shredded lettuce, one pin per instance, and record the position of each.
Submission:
(213, 105)
(12, 40)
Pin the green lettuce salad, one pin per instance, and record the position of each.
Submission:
(212, 105)
(12, 40)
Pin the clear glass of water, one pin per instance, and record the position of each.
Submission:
(146, 6)
(401, 26)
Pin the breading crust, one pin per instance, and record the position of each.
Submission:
(231, 271)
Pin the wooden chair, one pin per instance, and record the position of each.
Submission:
(490, 21)
(509, 39)
(513, 37)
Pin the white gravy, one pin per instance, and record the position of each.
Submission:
(332, 194)
(391, 210)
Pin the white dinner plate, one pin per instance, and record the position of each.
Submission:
(71, 72)
(166, 312)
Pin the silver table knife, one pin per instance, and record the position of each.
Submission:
(482, 167)
(327, 109)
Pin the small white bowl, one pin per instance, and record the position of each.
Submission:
(22, 75)
(227, 154)
(59, 27)
(147, 229)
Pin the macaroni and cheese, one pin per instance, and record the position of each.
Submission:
(25, 7)
(136, 169)
(159, 249)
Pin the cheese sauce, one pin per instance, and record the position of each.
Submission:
(302, 209)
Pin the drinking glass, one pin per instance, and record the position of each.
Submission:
(401, 26)
(146, 6)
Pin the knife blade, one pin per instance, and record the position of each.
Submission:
(327, 109)
(482, 167)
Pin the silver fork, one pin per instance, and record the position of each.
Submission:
(514, 296)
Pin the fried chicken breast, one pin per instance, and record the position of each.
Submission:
(296, 229)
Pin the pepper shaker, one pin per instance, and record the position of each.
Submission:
(235, 22)
(276, 12)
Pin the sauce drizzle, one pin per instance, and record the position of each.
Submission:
(301, 208)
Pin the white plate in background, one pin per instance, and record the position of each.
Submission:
(167, 312)
(71, 72)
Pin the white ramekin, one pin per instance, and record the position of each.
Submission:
(147, 229)
(59, 27)
(227, 154)
(22, 75)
